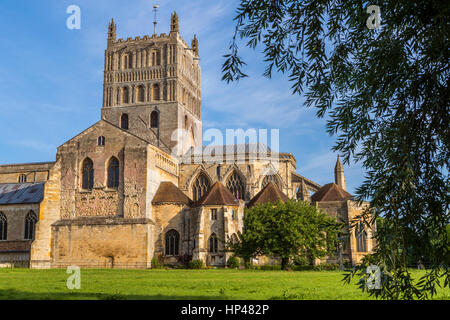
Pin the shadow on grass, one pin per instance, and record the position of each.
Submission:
(12, 294)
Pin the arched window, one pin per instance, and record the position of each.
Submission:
(236, 186)
(213, 243)
(124, 121)
(154, 119)
(155, 92)
(101, 141)
(200, 187)
(125, 61)
(3, 227)
(270, 178)
(125, 95)
(113, 173)
(361, 238)
(88, 174)
(22, 178)
(140, 93)
(156, 58)
(30, 225)
(172, 243)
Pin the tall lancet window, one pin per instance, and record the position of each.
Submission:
(200, 187)
(172, 243)
(124, 121)
(30, 225)
(140, 93)
(154, 119)
(113, 173)
(88, 174)
(3, 227)
(213, 243)
(236, 186)
(361, 238)
(270, 178)
(155, 92)
(125, 95)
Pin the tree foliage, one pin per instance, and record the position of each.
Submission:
(385, 92)
(286, 230)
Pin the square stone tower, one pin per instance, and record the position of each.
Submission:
(152, 88)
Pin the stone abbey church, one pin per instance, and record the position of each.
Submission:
(119, 194)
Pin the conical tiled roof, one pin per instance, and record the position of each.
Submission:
(331, 192)
(270, 193)
(170, 193)
(217, 195)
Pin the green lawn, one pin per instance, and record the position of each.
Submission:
(180, 284)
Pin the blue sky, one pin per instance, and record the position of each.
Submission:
(51, 79)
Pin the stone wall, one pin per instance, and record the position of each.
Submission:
(223, 227)
(168, 217)
(34, 172)
(49, 212)
(354, 210)
(16, 250)
(346, 211)
(15, 213)
(160, 167)
(102, 243)
(129, 199)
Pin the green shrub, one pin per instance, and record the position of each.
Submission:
(233, 262)
(157, 263)
(301, 261)
(196, 264)
(326, 267)
(269, 267)
(302, 268)
(347, 264)
(248, 264)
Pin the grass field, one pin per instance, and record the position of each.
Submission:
(180, 284)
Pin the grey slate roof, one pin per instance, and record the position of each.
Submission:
(209, 153)
(20, 193)
(252, 148)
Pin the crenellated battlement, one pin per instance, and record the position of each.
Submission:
(138, 39)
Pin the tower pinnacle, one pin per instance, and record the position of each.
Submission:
(174, 26)
(194, 45)
(339, 176)
(112, 32)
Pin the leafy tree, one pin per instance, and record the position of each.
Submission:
(385, 93)
(249, 241)
(233, 262)
(286, 230)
